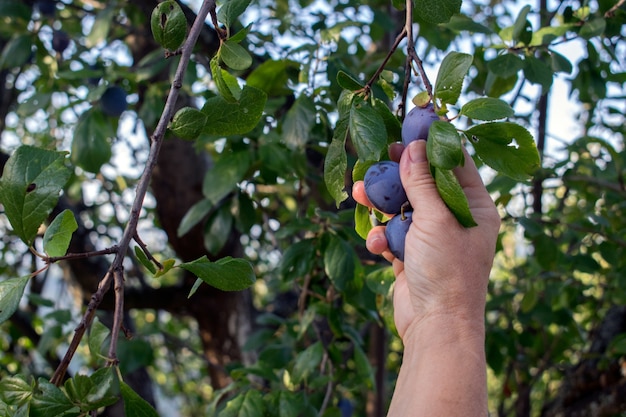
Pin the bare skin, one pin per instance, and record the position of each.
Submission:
(440, 290)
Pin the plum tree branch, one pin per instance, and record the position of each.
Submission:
(115, 272)
(412, 55)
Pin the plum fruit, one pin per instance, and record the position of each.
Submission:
(46, 7)
(60, 41)
(417, 122)
(113, 101)
(383, 187)
(396, 231)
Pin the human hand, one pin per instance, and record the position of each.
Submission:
(446, 267)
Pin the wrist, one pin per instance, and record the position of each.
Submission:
(439, 330)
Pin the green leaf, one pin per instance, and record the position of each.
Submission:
(506, 65)
(273, 77)
(380, 280)
(134, 405)
(30, 187)
(546, 35)
(15, 10)
(487, 108)
(496, 86)
(225, 118)
(367, 131)
(226, 274)
(522, 32)
(235, 56)
(346, 81)
(15, 390)
(90, 146)
(538, 72)
(459, 23)
(35, 102)
(100, 28)
(443, 147)
(283, 403)
(98, 333)
(436, 11)
(194, 215)
(559, 63)
(506, 147)
(231, 10)
(169, 25)
(336, 163)
(392, 122)
(58, 235)
(450, 77)
(362, 221)
(143, 259)
(364, 369)
(307, 362)
(105, 388)
(452, 194)
(51, 401)
(339, 262)
(168, 264)
(299, 122)
(224, 176)
(593, 28)
(188, 123)
(17, 51)
(247, 404)
(227, 85)
(218, 229)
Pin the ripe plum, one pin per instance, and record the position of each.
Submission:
(396, 231)
(113, 101)
(417, 122)
(383, 187)
(60, 41)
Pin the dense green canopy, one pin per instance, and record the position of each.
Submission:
(177, 231)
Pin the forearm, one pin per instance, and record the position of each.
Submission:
(443, 371)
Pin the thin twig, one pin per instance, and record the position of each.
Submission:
(116, 267)
(79, 332)
(412, 53)
(145, 250)
(70, 256)
(118, 314)
(380, 69)
(611, 12)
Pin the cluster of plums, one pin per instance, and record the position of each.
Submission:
(383, 186)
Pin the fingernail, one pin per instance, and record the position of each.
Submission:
(417, 151)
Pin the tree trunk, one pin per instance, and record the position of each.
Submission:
(596, 386)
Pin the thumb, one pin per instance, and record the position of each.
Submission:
(418, 181)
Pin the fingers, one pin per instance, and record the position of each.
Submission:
(358, 193)
(418, 181)
(376, 243)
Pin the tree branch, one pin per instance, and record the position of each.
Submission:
(116, 268)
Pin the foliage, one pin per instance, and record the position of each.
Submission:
(291, 102)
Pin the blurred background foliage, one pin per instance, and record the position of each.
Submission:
(314, 335)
